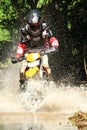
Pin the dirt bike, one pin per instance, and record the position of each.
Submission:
(34, 68)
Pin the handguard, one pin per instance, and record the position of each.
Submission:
(50, 50)
(15, 60)
(43, 50)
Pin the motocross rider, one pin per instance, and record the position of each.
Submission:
(36, 33)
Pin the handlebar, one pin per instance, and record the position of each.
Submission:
(42, 51)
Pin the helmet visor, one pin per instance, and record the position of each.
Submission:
(33, 19)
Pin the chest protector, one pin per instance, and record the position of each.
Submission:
(35, 33)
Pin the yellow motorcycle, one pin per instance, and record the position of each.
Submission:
(32, 61)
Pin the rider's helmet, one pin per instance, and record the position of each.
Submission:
(34, 17)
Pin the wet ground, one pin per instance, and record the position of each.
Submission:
(35, 121)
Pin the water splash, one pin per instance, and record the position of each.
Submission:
(50, 97)
(40, 95)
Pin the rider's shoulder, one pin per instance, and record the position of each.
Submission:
(26, 27)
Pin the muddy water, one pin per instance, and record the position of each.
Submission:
(43, 106)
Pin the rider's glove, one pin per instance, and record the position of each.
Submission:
(54, 42)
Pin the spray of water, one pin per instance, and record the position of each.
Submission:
(40, 95)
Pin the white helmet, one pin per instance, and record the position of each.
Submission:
(34, 16)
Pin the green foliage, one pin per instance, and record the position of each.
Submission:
(7, 11)
(69, 25)
(42, 2)
(4, 34)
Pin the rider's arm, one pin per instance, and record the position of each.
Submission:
(21, 45)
